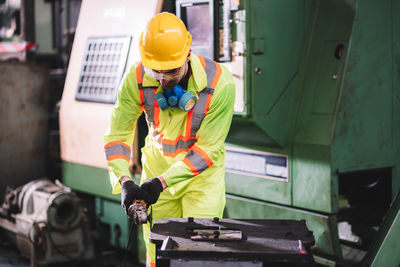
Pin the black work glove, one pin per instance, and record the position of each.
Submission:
(153, 188)
(129, 192)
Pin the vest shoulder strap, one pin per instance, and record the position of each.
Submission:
(213, 71)
(146, 94)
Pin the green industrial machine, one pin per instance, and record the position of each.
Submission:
(316, 131)
(320, 132)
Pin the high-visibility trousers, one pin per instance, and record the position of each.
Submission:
(198, 198)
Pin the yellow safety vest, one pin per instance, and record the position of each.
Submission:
(180, 145)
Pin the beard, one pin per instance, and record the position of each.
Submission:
(170, 84)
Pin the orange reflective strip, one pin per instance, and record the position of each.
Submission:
(207, 104)
(189, 123)
(149, 263)
(204, 155)
(156, 111)
(191, 166)
(141, 97)
(173, 142)
(202, 61)
(117, 157)
(179, 150)
(116, 143)
(216, 77)
(139, 76)
(170, 141)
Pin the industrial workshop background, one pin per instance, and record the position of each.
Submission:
(315, 135)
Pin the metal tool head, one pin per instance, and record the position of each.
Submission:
(138, 212)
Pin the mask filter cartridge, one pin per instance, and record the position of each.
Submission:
(177, 98)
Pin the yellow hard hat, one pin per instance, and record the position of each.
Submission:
(165, 43)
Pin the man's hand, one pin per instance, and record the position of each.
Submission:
(153, 187)
(129, 192)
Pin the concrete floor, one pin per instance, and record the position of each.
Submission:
(10, 257)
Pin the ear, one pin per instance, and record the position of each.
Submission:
(188, 57)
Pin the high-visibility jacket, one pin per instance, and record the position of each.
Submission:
(180, 145)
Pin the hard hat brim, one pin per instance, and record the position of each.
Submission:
(150, 62)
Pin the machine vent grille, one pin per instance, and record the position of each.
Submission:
(102, 68)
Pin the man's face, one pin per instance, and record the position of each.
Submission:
(169, 78)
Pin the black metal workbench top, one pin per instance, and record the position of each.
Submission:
(229, 239)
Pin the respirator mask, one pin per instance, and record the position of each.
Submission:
(177, 98)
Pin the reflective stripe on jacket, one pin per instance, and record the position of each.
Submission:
(180, 145)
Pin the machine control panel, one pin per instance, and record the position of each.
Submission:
(257, 163)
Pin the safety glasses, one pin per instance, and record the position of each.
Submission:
(165, 74)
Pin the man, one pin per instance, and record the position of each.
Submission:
(183, 157)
